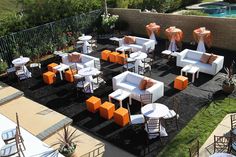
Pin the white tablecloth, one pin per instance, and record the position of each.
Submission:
(152, 36)
(201, 45)
(34, 146)
(138, 57)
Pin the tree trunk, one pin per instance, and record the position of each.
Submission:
(105, 7)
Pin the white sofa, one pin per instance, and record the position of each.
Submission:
(129, 81)
(141, 44)
(86, 61)
(187, 56)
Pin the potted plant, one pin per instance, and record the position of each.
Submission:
(229, 84)
(67, 142)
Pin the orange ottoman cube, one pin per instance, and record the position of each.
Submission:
(49, 77)
(121, 116)
(120, 58)
(113, 56)
(181, 82)
(50, 67)
(69, 75)
(93, 103)
(107, 110)
(105, 55)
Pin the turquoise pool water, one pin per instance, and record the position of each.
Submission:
(220, 10)
(227, 13)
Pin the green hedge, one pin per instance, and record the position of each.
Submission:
(44, 11)
(159, 5)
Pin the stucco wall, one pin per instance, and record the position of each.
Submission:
(223, 29)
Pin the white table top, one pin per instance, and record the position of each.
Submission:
(61, 67)
(138, 55)
(88, 71)
(119, 94)
(221, 155)
(34, 146)
(85, 37)
(154, 110)
(20, 61)
(190, 69)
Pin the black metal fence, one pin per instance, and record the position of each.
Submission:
(41, 39)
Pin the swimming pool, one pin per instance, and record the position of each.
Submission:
(220, 10)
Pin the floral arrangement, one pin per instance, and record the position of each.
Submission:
(108, 21)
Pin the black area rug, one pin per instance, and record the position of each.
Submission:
(62, 97)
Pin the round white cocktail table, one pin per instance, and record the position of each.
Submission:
(85, 39)
(20, 61)
(138, 57)
(154, 110)
(88, 74)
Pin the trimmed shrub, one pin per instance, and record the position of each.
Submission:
(194, 12)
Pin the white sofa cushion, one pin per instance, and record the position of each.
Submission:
(141, 41)
(136, 47)
(188, 61)
(134, 78)
(193, 55)
(126, 86)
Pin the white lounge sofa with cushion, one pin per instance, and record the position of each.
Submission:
(193, 57)
(141, 44)
(130, 81)
(85, 61)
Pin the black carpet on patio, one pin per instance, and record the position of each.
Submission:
(62, 98)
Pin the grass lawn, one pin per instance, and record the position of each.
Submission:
(201, 126)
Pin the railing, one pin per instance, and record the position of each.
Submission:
(38, 40)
